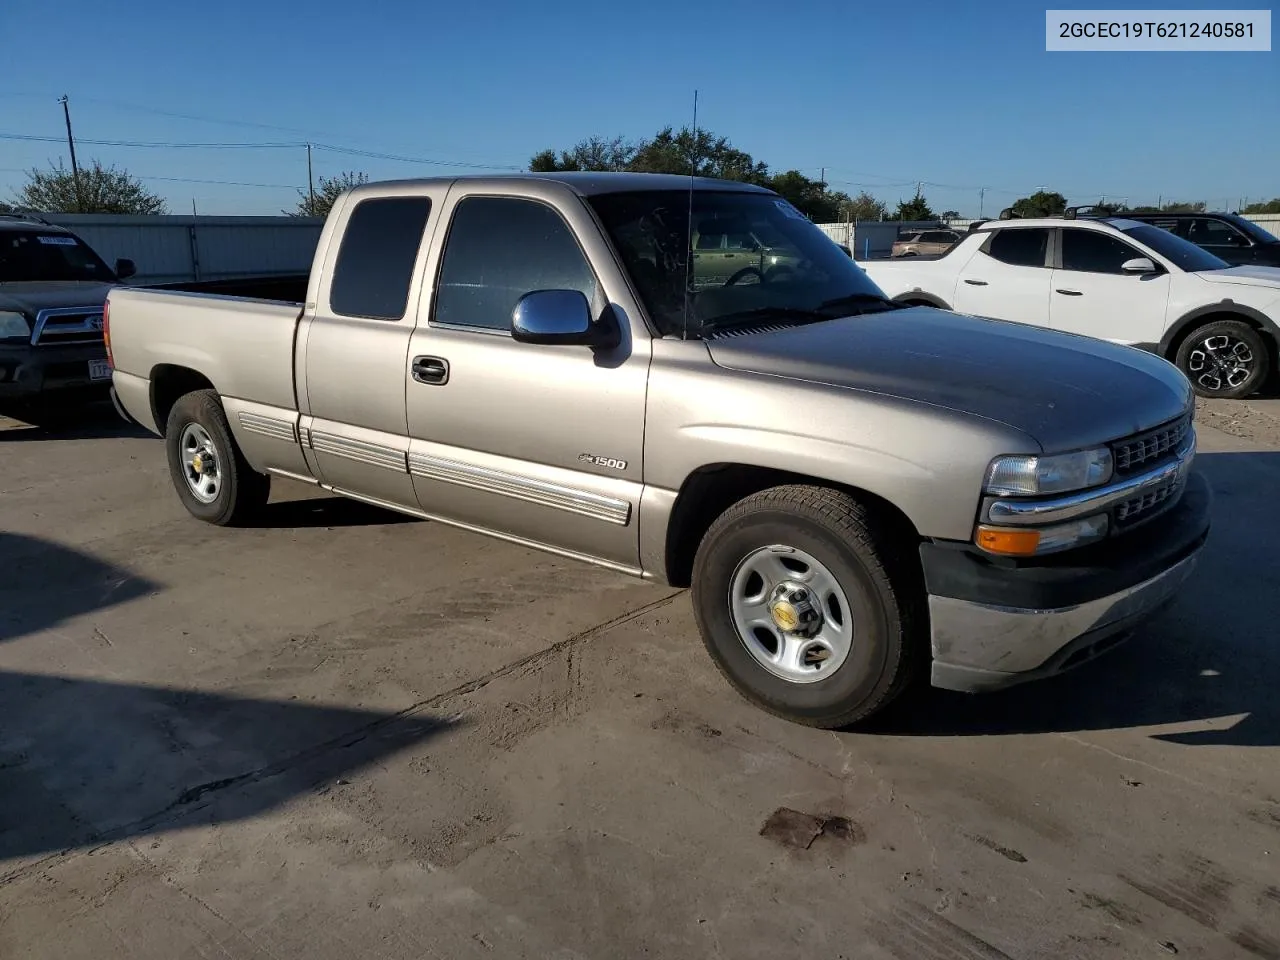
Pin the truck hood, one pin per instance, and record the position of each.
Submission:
(1063, 391)
(30, 298)
(1248, 275)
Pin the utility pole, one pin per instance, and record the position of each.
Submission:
(311, 186)
(822, 178)
(982, 198)
(71, 144)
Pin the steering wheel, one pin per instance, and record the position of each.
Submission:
(743, 273)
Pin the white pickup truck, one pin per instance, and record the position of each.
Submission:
(1113, 279)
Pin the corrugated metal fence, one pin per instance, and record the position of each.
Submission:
(176, 248)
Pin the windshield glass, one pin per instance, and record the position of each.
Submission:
(1254, 230)
(32, 255)
(755, 257)
(1184, 253)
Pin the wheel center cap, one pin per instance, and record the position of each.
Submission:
(792, 609)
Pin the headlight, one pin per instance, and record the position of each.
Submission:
(1062, 473)
(14, 326)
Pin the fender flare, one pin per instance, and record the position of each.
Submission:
(928, 298)
(1189, 320)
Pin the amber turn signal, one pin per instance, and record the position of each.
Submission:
(1007, 542)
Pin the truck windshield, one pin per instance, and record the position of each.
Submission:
(1184, 253)
(32, 255)
(755, 258)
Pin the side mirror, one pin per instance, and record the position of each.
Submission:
(125, 268)
(1138, 265)
(553, 316)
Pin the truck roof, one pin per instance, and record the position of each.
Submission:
(584, 183)
(18, 221)
(1120, 223)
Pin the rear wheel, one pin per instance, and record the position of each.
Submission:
(1227, 359)
(808, 604)
(213, 480)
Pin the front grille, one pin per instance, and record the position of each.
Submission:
(1146, 450)
(67, 325)
(1146, 505)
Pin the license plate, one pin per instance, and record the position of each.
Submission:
(99, 370)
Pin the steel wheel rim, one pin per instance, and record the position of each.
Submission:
(200, 466)
(771, 575)
(1220, 362)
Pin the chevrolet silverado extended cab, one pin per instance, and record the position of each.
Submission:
(857, 492)
(1114, 279)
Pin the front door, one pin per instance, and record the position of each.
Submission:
(1007, 278)
(541, 443)
(352, 351)
(1094, 297)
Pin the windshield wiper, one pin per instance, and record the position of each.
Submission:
(747, 318)
(855, 303)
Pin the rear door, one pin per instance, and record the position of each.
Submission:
(1094, 297)
(351, 356)
(1008, 277)
(538, 443)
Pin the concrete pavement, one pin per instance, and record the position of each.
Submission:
(347, 734)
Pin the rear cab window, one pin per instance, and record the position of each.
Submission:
(374, 269)
(1018, 246)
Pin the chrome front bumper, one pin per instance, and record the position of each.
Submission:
(978, 646)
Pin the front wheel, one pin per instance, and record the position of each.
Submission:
(213, 480)
(1227, 359)
(808, 604)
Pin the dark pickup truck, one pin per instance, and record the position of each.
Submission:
(52, 290)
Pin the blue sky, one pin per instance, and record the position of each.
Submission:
(881, 95)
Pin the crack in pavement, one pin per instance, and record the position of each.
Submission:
(187, 797)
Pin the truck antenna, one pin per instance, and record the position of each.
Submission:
(688, 235)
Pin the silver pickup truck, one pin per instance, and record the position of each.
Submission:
(859, 493)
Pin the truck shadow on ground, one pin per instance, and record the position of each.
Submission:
(1214, 655)
(326, 511)
(86, 761)
(86, 421)
(45, 583)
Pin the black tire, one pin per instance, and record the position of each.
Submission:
(242, 492)
(876, 569)
(1229, 338)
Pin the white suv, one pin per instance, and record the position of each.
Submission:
(1113, 279)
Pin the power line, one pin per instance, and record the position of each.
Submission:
(226, 183)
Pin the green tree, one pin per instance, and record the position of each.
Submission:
(686, 152)
(863, 207)
(594, 153)
(1266, 206)
(98, 189)
(917, 208)
(1042, 203)
(328, 189)
(949, 215)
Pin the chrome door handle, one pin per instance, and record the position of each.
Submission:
(433, 371)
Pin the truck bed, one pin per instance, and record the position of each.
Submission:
(244, 346)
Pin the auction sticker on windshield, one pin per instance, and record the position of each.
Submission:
(57, 241)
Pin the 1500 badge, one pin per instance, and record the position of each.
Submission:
(609, 462)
